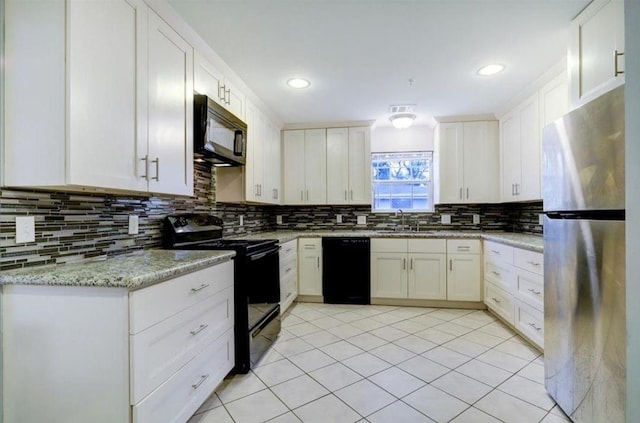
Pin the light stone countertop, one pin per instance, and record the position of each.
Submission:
(525, 241)
(131, 271)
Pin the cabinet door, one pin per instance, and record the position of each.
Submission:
(170, 167)
(310, 267)
(480, 162)
(427, 276)
(338, 158)
(359, 166)
(596, 34)
(272, 164)
(528, 188)
(253, 153)
(207, 79)
(293, 166)
(449, 147)
(553, 100)
(464, 282)
(510, 155)
(234, 99)
(107, 100)
(315, 166)
(388, 275)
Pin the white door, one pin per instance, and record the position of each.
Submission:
(480, 162)
(388, 275)
(253, 168)
(293, 167)
(310, 266)
(449, 146)
(170, 153)
(510, 155)
(427, 276)
(235, 100)
(107, 86)
(207, 79)
(315, 166)
(338, 158)
(530, 151)
(464, 281)
(272, 164)
(359, 166)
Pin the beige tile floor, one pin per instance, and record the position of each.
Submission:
(350, 363)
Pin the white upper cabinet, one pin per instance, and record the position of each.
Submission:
(272, 165)
(119, 102)
(596, 51)
(210, 81)
(349, 165)
(466, 162)
(305, 166)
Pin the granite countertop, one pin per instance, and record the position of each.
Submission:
(525, 241)
(131, 271)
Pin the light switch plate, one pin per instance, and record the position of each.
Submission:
(133, 224)
(338, 218)
(445, 219)
(241, 220)
(362, 220)
(25, 229)
(541, 219)
(476, 219)
(279, 219)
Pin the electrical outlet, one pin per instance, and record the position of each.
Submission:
(25, 229)
(133, 224)
(241, 220)
(279, 219)
(362, 220)
(541, 219)
(338, 218)
(445, 219)
(476, 219)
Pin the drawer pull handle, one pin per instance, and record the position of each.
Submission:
(533, 291)
(200, 288)
(495, 252)
(200, 329)
(289, 294)
(463, 247)
(533, 325)
(288, 270)
(201, 381)
(495, 273)
(533, 263)
(495, 299)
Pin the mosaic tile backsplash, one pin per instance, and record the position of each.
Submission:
(78, 226)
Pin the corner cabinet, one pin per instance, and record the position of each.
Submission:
(596, 51)
(466, 162)
(88, 76)
(348, 165)
(305, 166)
(104, 355)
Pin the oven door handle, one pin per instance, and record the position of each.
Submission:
(266, 253)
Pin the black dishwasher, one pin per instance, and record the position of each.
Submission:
(346, 270)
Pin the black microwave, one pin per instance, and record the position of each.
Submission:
(218, 135)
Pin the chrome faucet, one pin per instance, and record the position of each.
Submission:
(401, 219)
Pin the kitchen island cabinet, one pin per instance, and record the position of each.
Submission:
(92, 343)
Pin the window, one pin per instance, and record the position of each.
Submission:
(402, 181)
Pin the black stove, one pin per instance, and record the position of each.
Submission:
(256, 280)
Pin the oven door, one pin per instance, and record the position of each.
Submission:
(263, 335)
(262, 278)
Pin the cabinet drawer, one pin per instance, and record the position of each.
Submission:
(499, 301)
(179, 397)
(288, 287)
(427, 245)
(310, 244)
(463, 246)
(288, 249)
(151, 305)
(529, 260)
(530, 289)
(161, 350)
(495, 252)
(388, 245)
(501, 275)
(288, 266)
(530, 322)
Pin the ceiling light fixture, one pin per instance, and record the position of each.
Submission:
(491, 69)
(298, 83)
(402, 117)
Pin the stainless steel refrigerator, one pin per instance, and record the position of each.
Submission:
(584, 256)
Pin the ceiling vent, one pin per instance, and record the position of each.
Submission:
(402, 116)
(409, 108)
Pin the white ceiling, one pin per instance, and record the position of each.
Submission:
(360, 54)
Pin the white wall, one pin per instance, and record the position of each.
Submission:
(632, 177)
(390, 139)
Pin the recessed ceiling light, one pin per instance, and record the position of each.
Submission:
(490, 69)
(298, 83)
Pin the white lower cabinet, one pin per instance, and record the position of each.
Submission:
(97, 355)
(288, 274)
(310, 266)
(514, 288)
(464, 281)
